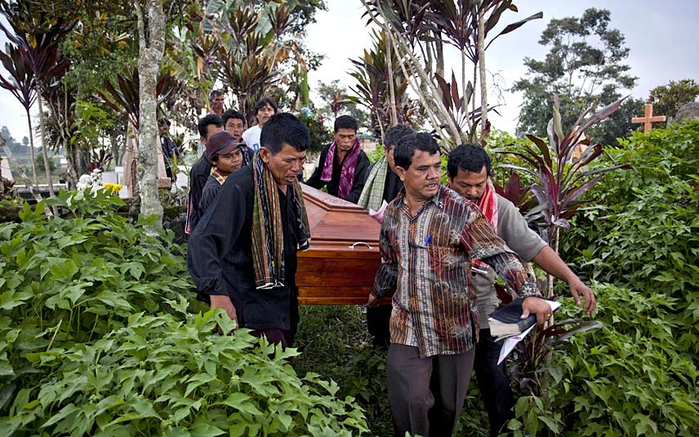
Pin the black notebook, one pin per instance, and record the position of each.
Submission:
(507, 321)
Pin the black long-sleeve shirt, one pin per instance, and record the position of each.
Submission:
(197, 179)
(219, 257)
(360, 174)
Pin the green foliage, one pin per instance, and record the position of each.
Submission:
(335, 101)
(647, 235)
(163, 376)
(320, 135)
(668, 99)
(344, 353)
(97, 338)
(630, 378)
(639, 372)
(376, 154)
(39, 162)
(584, 66)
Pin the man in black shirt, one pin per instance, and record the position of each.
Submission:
(245, 263)
(343, 164)
(198, 175)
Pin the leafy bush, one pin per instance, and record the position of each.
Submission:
(162, 376)
(97, 338)
(647, 236)
(630, 378)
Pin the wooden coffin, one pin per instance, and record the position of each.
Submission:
(340, 266)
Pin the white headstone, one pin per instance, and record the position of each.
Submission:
(6, 172)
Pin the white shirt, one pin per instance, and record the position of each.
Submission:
(252, 137)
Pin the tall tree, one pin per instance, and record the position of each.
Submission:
(151, 39)
(668, 99)
(584, 66)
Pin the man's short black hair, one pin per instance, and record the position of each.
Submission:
(205, 121)
(215, 93)
(346, 122)
(394, 134)
(262, 102)
(406, 147)
(232, 113)
(284, 128)
(468, 157)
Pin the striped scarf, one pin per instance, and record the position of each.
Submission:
(268, 229)
(347, 168)
(216, 174)
(372, 194)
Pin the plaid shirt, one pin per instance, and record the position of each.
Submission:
(427, 260)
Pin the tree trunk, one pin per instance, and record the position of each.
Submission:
(481, 67)
(151, 48)
(391, 82)
(44, 146)
(31, 149)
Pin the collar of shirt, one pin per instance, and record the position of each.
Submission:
(435, 200)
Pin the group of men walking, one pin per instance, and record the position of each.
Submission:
(440, 249)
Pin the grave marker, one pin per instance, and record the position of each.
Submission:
(648, 119)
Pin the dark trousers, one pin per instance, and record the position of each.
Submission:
(493, 382)
(283, 337)
(377, 320)
(427, 394)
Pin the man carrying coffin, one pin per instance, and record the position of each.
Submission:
(242, 254)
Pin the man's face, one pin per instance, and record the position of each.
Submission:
(235, 127)
(285, 165)
(344, 138)
(470, 185)
(421, 179)
(163, 128)
(210, 130)
(217, 104)
(389, 158)
(230, 162)
(264, 113)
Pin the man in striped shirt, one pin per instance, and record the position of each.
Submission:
(429, 238)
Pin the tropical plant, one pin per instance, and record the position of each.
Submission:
(419, 29)
(39, 37)
(560, 177)
(22, 84)
(379, 89)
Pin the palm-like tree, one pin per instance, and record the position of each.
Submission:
(21, 83)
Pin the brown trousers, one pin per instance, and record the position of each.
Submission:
(427, 394)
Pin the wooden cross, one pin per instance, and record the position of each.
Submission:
(648, 119)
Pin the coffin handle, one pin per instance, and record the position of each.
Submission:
(361, 242)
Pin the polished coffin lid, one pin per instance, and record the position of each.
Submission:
(341, 263)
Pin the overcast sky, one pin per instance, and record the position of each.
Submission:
(661, 36)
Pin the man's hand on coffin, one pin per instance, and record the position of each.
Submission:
(372, 302)
(224, 302)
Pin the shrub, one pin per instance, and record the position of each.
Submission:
(630, 378)
(98, 338)
(647, 236)
(163, 376)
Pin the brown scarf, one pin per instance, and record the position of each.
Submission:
(267, 226)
